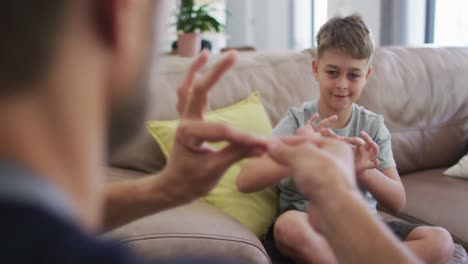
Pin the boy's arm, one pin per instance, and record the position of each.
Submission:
(259, 173)
(326, 168)
(385, 185)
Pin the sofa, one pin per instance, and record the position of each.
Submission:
(421, 92)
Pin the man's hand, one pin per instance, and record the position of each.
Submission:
(318, 164)
(194, 168)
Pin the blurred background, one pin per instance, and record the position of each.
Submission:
(292, 24)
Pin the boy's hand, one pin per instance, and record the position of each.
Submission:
(323, 126)
(194, 168)
(366, 154)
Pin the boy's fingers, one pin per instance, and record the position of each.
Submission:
(307, 132)
(198, 96)
(328, 132)
(326, 122)
(355, 141)
(366, 138)
(312, 119)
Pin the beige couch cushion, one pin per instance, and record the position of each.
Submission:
(283, 79)
(423, 95)
(434, 199)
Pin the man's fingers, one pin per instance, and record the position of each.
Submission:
(197, 100)
(183, 91)
(376, 163)
(214, 132)
(292, 140)
(282, 153)
(325, 122)
(234, 153)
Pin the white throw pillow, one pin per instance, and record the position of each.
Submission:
(460, 169)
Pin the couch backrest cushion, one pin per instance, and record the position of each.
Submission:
(282, 79)
(423, 95)
(421, 92)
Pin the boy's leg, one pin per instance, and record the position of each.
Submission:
(430, 244)
(295, 238)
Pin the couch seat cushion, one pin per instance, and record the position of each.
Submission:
(438, 200)
(196, 230)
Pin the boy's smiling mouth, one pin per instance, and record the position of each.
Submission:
(340, 95)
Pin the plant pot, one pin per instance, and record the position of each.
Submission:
(188, 44)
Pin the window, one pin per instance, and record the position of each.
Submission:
(308, 16)
(218, 11)
(450, 23)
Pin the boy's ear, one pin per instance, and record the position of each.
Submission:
(369, 72)
(315, 69)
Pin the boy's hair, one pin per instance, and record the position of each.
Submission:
(349, 34)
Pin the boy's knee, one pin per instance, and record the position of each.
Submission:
(289, 229)
(441, 238)
(441, 244)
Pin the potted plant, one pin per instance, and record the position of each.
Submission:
(191, 21)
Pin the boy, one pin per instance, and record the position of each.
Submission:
(342, 68)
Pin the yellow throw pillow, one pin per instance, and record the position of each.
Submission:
(254, 210)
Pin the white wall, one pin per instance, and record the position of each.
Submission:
(368, 9)
(266, 24)
(261, 23)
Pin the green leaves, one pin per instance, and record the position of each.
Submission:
(192, 19)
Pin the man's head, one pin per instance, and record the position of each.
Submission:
(344, 52)
(114, 38)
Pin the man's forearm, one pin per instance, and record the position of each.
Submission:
(132, 199)
(355, 235)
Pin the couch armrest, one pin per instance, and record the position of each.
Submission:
(197, 230)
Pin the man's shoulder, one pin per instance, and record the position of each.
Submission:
(33, 235)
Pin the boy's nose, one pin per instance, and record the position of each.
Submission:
(342, 83)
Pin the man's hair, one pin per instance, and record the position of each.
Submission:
(29, 31)
(349, 34)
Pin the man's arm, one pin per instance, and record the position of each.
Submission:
(324, 168)
(194, 168)
(259, 173)
(133, 199)
(361, 238)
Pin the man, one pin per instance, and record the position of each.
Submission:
(70, 71)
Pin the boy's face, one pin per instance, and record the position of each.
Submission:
(341, 78)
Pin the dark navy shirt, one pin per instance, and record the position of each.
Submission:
(37, 226)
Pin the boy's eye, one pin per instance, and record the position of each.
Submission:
(353, 76)
(332, 73)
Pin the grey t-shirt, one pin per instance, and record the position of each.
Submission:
(361, 120)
